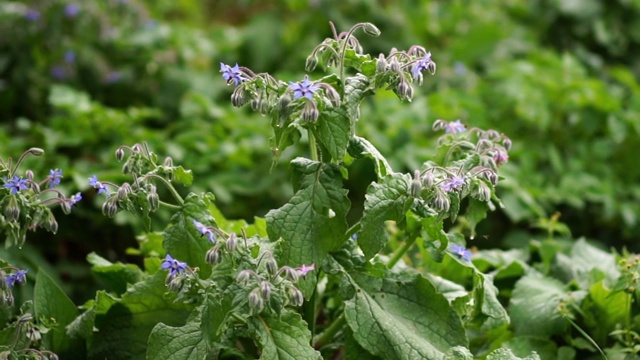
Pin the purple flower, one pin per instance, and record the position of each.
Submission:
(102, 188)
(54, 178)
(453, 183)
(16, 184)
(74, 199)
(69, 57)
(303, 89)
(174, 266)
(454, 127)
(71, 10)
(58, 72)
(232, 74)
(205, 231)
(32, 15)
(461, 252)
(423, 64)
(19, 277)
(304, 269)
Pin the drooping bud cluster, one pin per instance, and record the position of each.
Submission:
(468, 168)
(9, 277)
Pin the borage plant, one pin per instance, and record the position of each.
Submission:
(303, 283)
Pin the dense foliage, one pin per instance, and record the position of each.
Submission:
(385, 215)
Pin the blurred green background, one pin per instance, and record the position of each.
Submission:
(559, 77)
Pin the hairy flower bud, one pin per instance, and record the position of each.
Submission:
(271, 265)
(153, 199)
(295, 296)
(371, 29)
(381, 64)
(265, 290)
(66, 208)
(7, 298)
(243, 276)
(12, 210)
(404, 90)
(35, 151)
(213, 255)
(291, 273)
(238, 97)
(310, 112)
(283, 102)
(29, 175)
(255, 104)
(311, 63)
(175, 282)
(439, 125)
(255, 300)
(416, 184)
(428, 179)
(51, 224)
(119, 154)
(332, 94)
(483, 192)
(483, 144)
(507, 144)
(232, 242)
(441, 202)
(109, 208)
(394, 65)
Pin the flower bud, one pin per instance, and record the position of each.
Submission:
(255, 104)
(381, 64)
(265, 290)
(153, 199)
(232, 242)
(310, 112)
(295, 296)
(243, 276)
(123, 191)
(416, 184)
(311, 63)
(12, 210)
(490, 162)
(371, 29)
(35, 151)
(291, 273)
(34, 186)
(333, 95)
(439, 125)
(168, 162)
(483, 144)
(283, 102)
(394, 65)
(33, 333)
(484, 193)
(109, 208)
(271, 265)
(507, 144)
(404, 90)
(7, 298)
(51, 224)
(66, 208)
(428, 179)
(441, 202)
(213, 255)
(136, 148)
(175, 283)
(29, 174)
(255, 300)
(238, 97)
(119, 154)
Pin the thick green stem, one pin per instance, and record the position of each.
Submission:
(170, 206)
(399, 253)
(330, 332)
(313, 147)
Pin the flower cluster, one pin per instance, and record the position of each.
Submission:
(7, 282)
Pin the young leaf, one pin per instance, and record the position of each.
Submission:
(51, 303)
(333, 131)
(284, 338)
(387, 200)
(313, 222)
(360, 147)
(407, 320)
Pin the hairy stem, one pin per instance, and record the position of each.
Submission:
(324, 338)
(399, 253)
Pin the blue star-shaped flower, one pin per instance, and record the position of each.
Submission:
(303, 89)
(461, 252)
(423, 64)
(232, 74)
(174, 266)
(205, 231)
(453, 183)
(454, 127)
(16, 184)
(102, 188)
(19, 277)
(54, 177)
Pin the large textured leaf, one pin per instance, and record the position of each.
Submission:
(583, 261)
(333, 131)
(284, 338)
(403, 320)
(115, 277)
(51, 303)
(186, 342)
(313, 222)
(506, 354)
(124, 329)
(355, 89)
(361, 147)
(489, 311)
(388, 199)
(181, 238)
(534, 306)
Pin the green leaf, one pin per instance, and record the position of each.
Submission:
(353, 350)
(490, 312)
(124, 329)
(84, 324)
(535, 294)
(387, 200)
(185, 342)
(583, 260)
(403, 320)
(116, 277)
(458, 353)
(524, 345)
(284, 338)
(333, 131)
(355, 89)
(476, 212)
(604, 309)
(215, 313)
(52, 304)
(183, 176)
(313, 222)
(181, 238)
(506, 354)
(361, 147)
